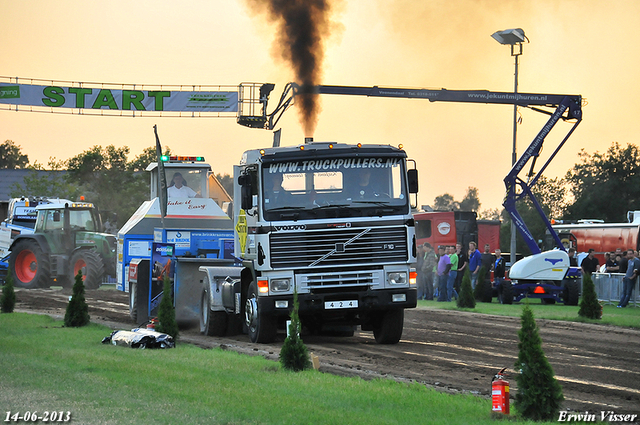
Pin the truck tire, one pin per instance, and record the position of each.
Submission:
(487, 293)
(571, 294)
(505, 293)
(212, 323)
(29, 265)
(261, 328)
(389, 329)
(90, 262)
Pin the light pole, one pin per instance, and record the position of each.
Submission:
(514, 38)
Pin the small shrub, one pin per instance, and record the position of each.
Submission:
(77, 313)
(166, 312)
(294, 354)
(8, 301)
(539, 393)
(589, 305)
(466, 298)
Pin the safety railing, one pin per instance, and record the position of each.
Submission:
(609, 288)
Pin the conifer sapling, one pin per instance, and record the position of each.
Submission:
(166, 312)
(539, 393)
(77, 313)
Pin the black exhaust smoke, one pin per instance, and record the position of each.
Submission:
(302, 24)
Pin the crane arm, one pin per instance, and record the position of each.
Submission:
(559, 107)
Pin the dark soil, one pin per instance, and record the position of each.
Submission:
(598, 366)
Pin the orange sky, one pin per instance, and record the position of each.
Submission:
(577, 47)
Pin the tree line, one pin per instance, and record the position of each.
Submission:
(104, 176)
(599, 186)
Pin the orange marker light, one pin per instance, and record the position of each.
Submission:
(539, 290)
(263, 286)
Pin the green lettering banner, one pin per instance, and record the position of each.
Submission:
(56, 96)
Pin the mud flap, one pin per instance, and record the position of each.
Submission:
(140, 338)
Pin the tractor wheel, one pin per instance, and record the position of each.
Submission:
(389, 329)
(29, 265)
(571, 294)
(505, 293)
(212, 323)
(90, 262)
(261, 328)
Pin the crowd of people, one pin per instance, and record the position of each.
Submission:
(440, 271)
(618, 261)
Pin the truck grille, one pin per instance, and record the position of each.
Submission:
(338, 247)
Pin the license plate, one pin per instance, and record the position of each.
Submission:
(329, 305)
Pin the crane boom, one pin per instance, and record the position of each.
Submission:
(558, 107)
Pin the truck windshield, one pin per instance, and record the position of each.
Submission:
(336, 187)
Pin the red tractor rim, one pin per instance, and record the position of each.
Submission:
(78, 266)
(26, 266)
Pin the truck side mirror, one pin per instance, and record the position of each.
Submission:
(56, 216)
(412, 177)
(246, 201)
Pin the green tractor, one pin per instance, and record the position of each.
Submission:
(66, 239)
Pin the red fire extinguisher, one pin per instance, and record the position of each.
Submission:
(500, 393)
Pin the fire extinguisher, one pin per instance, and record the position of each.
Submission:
(500, 393)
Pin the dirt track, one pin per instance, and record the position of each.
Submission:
(597, 365)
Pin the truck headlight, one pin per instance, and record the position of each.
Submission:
(280, 285)
(397, 278)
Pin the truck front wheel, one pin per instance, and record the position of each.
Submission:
(389, 329)
(261, 328)
(29, 265)
(90, 262)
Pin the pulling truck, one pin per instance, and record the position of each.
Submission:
(331, 222)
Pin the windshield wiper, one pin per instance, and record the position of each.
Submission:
(285, 209)
(320, 207)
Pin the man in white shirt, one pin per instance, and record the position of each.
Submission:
(178, 189)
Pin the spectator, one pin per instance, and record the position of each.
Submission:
(420, 274)
(453, 257)
(498, 269)
(629, 279)
(444, 265)
(475, 261)
(430, 261)
(573, 261)
(611, 266)
(624, 260)
(463, 262)
(590, 263)
(487, 259)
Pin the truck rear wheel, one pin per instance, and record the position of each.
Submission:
(571, 294)
(389, 329)
(505, 292)
(261, 328)
(90, 262)
(29, 265)
(212, 323)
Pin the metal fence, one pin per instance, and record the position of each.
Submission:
(609, 288)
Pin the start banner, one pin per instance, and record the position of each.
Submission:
(80, 97)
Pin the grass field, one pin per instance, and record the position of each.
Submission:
(46, 367)
(628, 317)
